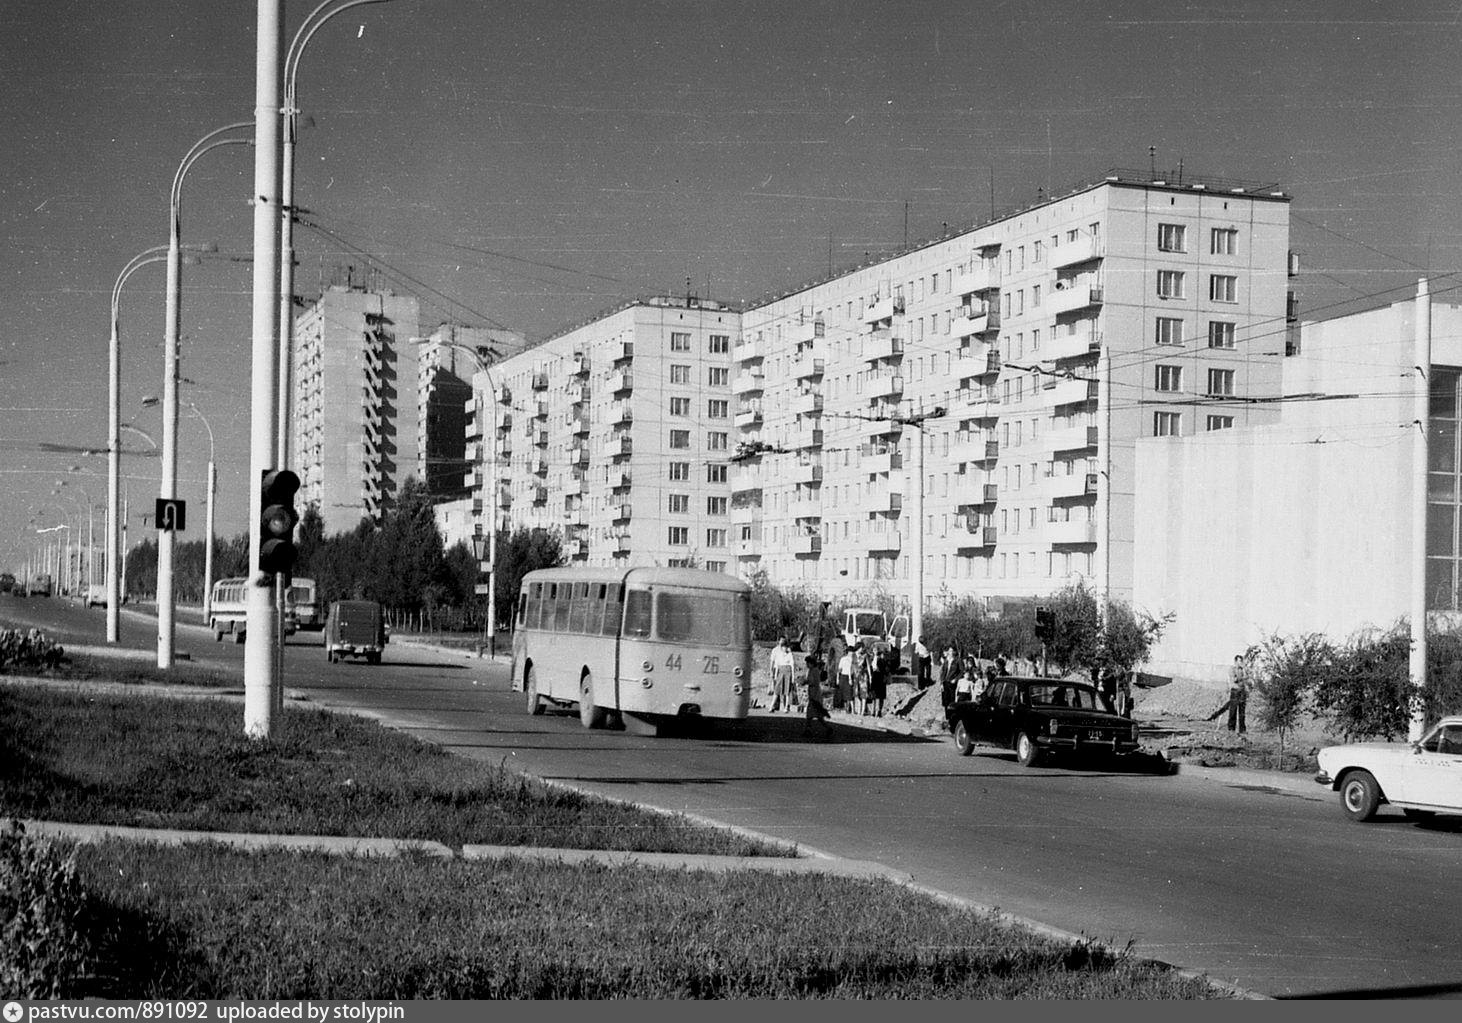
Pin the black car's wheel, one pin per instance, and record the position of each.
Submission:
(1026, 750)
(1359, 796)
(962, 740)
(590, 716)
(530, 690)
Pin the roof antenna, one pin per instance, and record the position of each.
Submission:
(1180, 172)
(1152, 162)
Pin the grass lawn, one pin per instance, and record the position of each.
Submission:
(204, 922)
(172, 763)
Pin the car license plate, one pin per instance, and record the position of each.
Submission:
(1094, 736)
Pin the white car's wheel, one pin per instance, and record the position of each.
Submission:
(1359, 796)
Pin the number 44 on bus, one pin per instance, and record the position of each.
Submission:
(645, 646)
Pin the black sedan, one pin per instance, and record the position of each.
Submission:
(1038, 716)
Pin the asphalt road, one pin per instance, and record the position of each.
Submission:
(1267, 887)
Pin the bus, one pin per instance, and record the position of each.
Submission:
(304, 597)
(228, 614)
(645, 645)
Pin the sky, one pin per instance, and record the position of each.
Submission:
(529, 164)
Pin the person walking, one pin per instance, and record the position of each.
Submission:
(816, 712)
(843, 693)
(781, 663)
(1238, 695)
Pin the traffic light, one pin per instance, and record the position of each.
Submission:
(1045, 623)
(277, 520)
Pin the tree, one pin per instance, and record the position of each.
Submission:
(1287, 671)
(1075, 640)
(309, 540)
(518, 553)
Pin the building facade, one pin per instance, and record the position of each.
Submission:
(353, 427)
(446, 360)
(618, 434)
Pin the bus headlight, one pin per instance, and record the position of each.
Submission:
(646, 683)
(736, 671)
(647, 666)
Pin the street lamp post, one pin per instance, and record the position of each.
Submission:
(166, 538)
(212, 484)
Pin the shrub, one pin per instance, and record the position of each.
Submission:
(43, 912)
(1286, 673)
(32, 649)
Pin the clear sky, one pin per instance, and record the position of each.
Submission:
(528, 164)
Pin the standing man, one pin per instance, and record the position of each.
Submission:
(781, 676)
(922, 666)
(1238, 695)
(816, 712)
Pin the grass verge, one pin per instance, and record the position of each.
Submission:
(170, 763)
(203, 922)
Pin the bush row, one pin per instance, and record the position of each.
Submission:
(32, 649)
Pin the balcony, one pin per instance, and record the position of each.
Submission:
(540, 381)
(806, 438)
(806, 545)
(976, 320)
(879, 459)
(805, 333)
(748, 382)
(981, 277)
(621, 512)
(621, 382)
(577, 394)
(1078, 484)
(539, 466)
(974, 535)
(573, 486)
(623, 449)
(504, 498)
(747, 350)
(577, 549)
(624, 351)
(579, 455)
(620, 544)
(620, 480)
(1072, 346)
(984, 493)
(888, 541)
(504, 395)
(883, 497)
(749, 547)
(807, 403)
(807, 472)
(808, 365)
(504, 419)
(881, 344)
(540, 495)
(540, 410)
(1076, 531)
(1082, 250)
(621, 413)
(886, 309)
(578, 427)
(541, 440)
(970, 360)
(1071, 391)
(579, 365)
(748, 414)
(745, 513)
(1073, 297)
(884, 385)
(883, 432)
(1071, 438)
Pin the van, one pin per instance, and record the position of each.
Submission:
(356, 628)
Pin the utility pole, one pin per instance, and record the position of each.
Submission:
(1420, 408)
(261, 677)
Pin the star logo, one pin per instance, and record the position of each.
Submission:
(13, 1012)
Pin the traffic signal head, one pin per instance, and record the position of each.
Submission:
(1045, 622)
(277, 521)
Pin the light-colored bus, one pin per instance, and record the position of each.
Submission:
(304, 598)
(648, 645)
(229, 615)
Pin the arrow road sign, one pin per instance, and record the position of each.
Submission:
(171, 514)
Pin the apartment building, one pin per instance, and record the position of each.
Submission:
(353, 428)
(1027, 355)
(446, 360)
(617, 433)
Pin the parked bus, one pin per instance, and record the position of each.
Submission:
(229, 614)
(304, 597)
(646, 644)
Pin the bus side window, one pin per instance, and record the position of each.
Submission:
(595, 625)
(579, 607)
(562, 600)
(613, 609)
(637, 613)
(522, 608)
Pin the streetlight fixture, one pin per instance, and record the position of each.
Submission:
(166, 538)
(90, 534)
(212, 483)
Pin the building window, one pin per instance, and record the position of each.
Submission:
(679, 536)
(679, 471)
(1167, 424)
(1168, 378)
(1169, 330)
(1224, 240)
(1221, 381)
(1220, 423)
(715, 566)
(718, 376)
(1220, 334)
(715, 473)
(680, 439)
(679, 374)
(680, 406)
(716, 505)
(679, 342)
(716, 538)
(1036, 297)
(1036, 253)
(717, 408)
(1170, 284)
(716, 441)
(720, 344)
(1172, 238)
(1223, 288)
(679, 504)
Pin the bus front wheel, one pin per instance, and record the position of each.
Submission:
(590, 716)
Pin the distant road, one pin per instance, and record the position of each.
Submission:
(1268, 888)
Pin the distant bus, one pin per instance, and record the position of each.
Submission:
(229, 614)
(647, 644)
(304, 597)
(40, 585)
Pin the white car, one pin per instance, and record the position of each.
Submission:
(1422, 778)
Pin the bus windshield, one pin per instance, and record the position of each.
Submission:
(706, 619)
